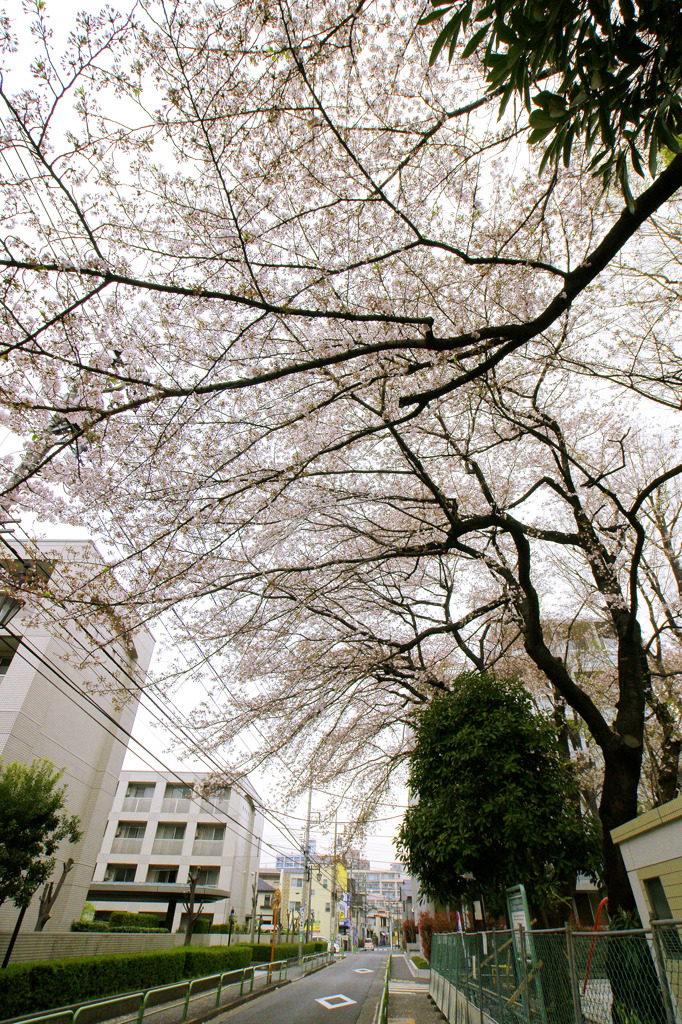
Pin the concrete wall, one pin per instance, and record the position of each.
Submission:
(453, 1004)
(45, 946)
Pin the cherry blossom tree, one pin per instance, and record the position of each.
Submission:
(291, 321)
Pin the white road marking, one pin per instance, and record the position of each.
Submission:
(363, 970)
(334, 1002)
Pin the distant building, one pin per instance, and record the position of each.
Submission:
(53, 706)
(295, 861)
(160, 828)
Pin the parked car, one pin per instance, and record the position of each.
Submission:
(368, 944)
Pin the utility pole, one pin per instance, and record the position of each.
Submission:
(254, 901)
(332, 930)
(306, 884)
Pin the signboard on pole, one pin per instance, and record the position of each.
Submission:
(527, 966)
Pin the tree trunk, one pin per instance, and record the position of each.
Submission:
(618, 805)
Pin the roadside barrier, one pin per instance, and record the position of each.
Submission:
(134, 1005)
(315, 960)
(381, 1016)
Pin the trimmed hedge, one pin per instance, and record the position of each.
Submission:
(283, 950)
(126, 919)
(44, 985)
(102, 926)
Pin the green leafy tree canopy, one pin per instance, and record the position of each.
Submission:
(33, 823)
(497, 802)
(615, 71)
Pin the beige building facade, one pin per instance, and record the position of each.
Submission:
(56, 702)
(651, 845)
(160, 829)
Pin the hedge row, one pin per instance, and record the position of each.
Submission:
(127, 919)
(104, 926)
(283, 950)
(44, 985)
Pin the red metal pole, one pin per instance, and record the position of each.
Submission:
(594, 939)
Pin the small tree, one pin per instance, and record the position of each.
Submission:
(498, 804)
(33, 823)
(192, 913)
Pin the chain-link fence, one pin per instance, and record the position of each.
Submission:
(560, 976)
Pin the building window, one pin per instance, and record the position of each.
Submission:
(212, 832)
(140, 790)
(178, 792)
(660, 911)
(4, 665)
(266, 901)
(130, 830)
(119, 873)
(297, 882)
(168, 830)
(206, 876)
(327, 908)
(162, 874)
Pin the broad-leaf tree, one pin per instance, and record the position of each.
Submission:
(290, 319)
(33, 824)
(495, 801)
(606, 74)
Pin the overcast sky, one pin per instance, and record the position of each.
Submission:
(379, 847)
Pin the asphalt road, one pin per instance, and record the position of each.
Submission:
(347, 992)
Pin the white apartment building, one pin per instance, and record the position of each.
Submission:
(54, 705)
(159, 829)
(381, 887)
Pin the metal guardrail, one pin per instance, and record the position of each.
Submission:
(315, 960)
(382, 1009)
(139, 1002)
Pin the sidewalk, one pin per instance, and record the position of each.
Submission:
(408, 997)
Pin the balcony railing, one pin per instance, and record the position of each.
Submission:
(208, 847)
(167, 846)
(137, 803)
(175, 806)
(123, 845)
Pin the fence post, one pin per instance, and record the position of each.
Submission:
(575, 984)
(496, 964)
(659, 960)
(186, 1007)
(253, 976)
(524, 969)
(479, 967)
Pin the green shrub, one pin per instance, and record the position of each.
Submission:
(224, 929)
(284, 950)
(203, 960)
(126, 919)
(103, 926)
(44, 985)
(201, 926)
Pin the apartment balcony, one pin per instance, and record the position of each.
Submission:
(168, 847)
(172, 806)
(207, 847)
(137, 803)
(122, 845)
